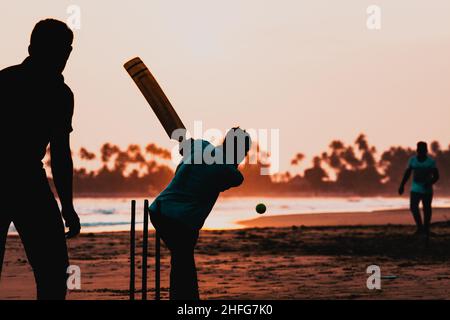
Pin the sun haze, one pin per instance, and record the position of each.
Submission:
(309, 68)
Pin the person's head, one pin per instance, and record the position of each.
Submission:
(236, 145)
(422, 148)
(51, 44)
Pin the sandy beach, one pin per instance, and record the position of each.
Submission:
(320, 256)
(375, 218)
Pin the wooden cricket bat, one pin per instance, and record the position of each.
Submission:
(154, 95)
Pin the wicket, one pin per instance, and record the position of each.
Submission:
(144, 254)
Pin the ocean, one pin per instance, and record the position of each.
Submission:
(113, 214)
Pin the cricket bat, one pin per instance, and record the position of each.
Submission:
(155, 96)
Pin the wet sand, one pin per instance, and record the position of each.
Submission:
(382, 217)
(282, 262)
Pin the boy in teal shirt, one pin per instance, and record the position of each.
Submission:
(425, 174)
(181, 209)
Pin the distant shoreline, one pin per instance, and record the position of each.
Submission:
(270, 195)
(372, 218)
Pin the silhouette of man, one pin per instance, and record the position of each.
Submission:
(37, 108)
(425, 174)
(180, 211)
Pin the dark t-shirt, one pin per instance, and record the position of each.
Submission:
(35, 108)
(193, 191)
(422, 174)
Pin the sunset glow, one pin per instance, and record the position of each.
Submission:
(308, 68)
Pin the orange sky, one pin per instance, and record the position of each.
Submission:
(310, 68)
